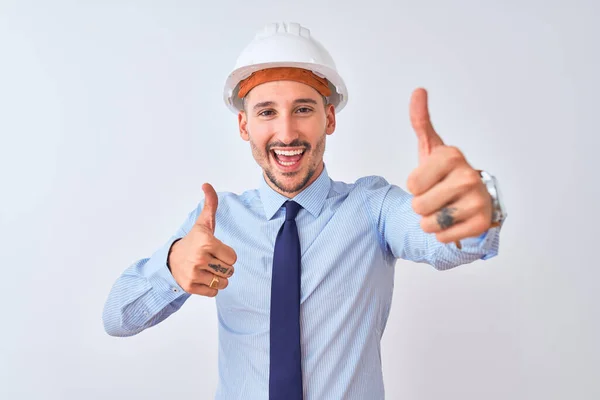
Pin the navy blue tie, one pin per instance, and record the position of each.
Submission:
(285, 372)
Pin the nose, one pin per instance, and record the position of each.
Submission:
(287, 131)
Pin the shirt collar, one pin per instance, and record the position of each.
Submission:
(311, 198)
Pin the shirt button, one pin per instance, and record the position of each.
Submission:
(175, 290)
(146, 313)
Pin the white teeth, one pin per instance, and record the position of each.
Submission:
(288, 152)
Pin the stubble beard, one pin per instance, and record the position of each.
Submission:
(263, 159)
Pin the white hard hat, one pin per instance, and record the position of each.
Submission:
(285, 45)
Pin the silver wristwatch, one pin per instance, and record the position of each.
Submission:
(499, 210)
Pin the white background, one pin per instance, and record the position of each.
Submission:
(111, 118)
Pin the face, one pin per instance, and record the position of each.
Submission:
(286, 123)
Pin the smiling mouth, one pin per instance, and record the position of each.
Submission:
(288, 158)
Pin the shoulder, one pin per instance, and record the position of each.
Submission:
(365, 183)
(229, 200)
(246, 196)
(372, 182)
(373, 189)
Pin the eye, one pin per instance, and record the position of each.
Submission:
(304, 110)
(266, 113)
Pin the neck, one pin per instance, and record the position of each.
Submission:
(290, 195)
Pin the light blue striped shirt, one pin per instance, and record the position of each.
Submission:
(350, 236)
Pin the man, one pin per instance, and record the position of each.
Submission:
(304, 312)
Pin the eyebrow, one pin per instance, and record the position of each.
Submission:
(272, 103)
(263, 104)
(303, 101)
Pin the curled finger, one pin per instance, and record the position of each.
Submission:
(218, 268)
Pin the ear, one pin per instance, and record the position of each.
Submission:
(330, 115)
(243, 122)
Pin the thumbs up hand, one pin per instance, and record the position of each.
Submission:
(448, 193)
(199, 262)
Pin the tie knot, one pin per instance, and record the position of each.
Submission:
(291, 210)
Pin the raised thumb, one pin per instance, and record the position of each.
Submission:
(208, 214)
(420, 120)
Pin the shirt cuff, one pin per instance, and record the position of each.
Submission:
(160, 277)
(486, 244)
